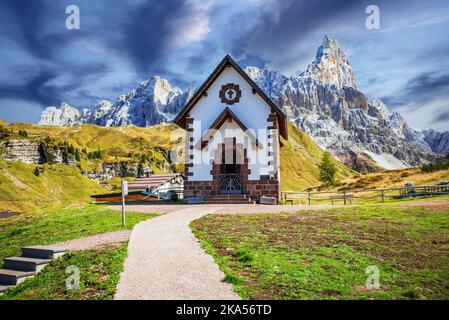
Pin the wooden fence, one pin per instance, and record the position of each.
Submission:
(362, 196)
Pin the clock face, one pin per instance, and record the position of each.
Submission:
(230, 94)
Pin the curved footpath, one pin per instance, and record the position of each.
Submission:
(165, 261)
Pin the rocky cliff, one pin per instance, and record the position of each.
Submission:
(34, 152)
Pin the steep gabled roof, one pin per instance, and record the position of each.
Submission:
(225, 115)
(228, 61)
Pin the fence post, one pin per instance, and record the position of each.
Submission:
(344, 197)
(383, 195)
(310, 199)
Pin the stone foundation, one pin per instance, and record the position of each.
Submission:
(253, 188)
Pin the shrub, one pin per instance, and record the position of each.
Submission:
(23, 133)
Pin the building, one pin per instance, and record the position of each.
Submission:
(233, 137)
(160, 184)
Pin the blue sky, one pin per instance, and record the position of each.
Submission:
(120, 44)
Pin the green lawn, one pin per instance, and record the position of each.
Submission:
(61, 225)
(99, 273)
(324, 254)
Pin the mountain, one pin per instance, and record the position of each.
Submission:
(324, 101)
(153, 102)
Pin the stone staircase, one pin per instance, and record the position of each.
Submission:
(33, 259)
(229, 199)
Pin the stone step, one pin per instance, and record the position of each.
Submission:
(231, 196)
(43, 252)
(229, 202)
(25, 264)
(3, 288)
(14, 277)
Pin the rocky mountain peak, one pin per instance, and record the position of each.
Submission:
(64, 115)
(331, 65)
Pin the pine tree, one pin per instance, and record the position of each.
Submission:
(77, 155)
(328, 170)
(37, 172)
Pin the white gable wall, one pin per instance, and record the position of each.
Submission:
(252, 110)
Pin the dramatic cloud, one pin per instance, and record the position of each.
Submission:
(122, 43)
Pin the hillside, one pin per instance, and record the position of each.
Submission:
(300, 157)
(116, 144)
(394, 179)
(56, 186)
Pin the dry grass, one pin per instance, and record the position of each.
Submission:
(393, 179)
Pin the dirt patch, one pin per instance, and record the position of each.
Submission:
(8, 214)
(430, 205)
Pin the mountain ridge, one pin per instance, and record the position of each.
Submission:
(323, 101)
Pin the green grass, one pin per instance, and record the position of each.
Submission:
(324, 255)
(61, 225)
(99, 274)
(58, 186)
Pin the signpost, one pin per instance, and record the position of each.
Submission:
(124, 193)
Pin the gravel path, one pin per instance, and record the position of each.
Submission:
(95, 241)
(165, 261)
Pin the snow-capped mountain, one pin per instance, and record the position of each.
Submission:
(65, 115)
(323, 101)
(153, 102)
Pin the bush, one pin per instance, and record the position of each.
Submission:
(23, 133)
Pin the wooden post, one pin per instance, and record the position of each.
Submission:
(123, 211)
(383, 195)
(124, 193)
(344, 197)
(310, 199)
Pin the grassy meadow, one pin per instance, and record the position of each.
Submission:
(99, 274)
(61, 225)
(325, 254)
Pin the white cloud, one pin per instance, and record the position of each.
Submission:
(423, 116)
(193, 27)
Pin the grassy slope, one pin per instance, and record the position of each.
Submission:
(324, 255)
(394, 179)
(61, 225)
(57, 186)
(124, 140)
(99, 274)
(300, 157)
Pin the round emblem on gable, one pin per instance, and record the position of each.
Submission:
(230, 94)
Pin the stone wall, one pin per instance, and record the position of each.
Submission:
(253, 188)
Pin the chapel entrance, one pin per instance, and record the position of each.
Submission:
(230, 173)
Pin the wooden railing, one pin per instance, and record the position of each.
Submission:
(361, 196)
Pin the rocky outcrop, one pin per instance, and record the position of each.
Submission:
(34, 152)
(108, 171)
(22, 150)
